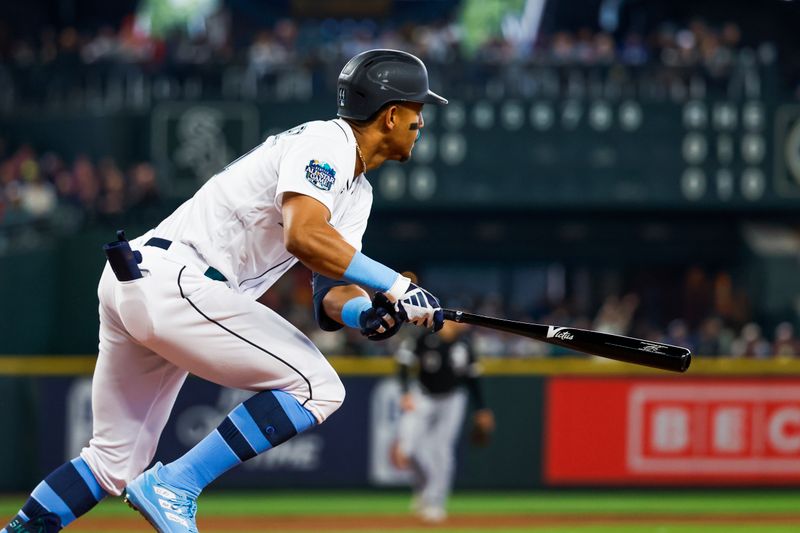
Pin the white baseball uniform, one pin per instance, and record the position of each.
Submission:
(176, 320)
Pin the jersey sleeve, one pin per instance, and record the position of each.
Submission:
(312, 168)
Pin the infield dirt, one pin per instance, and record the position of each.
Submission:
(470, 522)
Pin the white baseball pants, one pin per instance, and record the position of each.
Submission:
(174, 321)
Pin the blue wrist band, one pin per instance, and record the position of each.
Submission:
(352, 310)
(365, 271)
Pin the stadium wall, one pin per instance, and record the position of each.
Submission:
(571, 422)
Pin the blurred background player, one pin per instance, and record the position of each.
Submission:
(433, 413)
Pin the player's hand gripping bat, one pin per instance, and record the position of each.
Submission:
(627, 349)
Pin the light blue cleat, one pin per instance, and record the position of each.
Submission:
(168, 509)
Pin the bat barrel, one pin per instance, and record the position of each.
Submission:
(674, 361)
(625, 349)
(617, 347)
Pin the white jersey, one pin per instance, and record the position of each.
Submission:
(175, 321)
(234, 221)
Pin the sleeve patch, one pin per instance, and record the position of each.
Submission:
(320, 174)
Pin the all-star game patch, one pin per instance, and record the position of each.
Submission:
(320, 174)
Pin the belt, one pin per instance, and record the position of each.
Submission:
(164, 244)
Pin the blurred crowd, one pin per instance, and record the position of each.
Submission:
(73, 191)
(698, 43)
(293, 59)
(716, 316)
(40, 186)
(295, 43)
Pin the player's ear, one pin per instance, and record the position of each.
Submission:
(390, 117)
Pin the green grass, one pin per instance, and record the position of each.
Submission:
(683, 503)
(640, 504)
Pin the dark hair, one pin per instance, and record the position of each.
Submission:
(373, 117)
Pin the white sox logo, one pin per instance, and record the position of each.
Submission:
(559, 333)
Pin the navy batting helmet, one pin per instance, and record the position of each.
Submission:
(376, 77)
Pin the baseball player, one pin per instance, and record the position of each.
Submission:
(433, 413)
(182, 300)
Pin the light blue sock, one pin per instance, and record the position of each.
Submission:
(262, 422)
(66, 493)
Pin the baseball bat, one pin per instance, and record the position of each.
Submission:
(618, 347)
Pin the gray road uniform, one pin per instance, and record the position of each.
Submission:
(447, 372)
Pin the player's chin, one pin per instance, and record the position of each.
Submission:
(405, 156)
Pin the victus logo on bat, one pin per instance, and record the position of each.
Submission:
(708, 429)
(562, 333)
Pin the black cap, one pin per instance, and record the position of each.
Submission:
(376, 77)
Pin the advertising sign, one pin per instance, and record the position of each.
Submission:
(687, 432)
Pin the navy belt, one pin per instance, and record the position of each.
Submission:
(164, 244)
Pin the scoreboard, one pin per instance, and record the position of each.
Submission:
(703, 153)
(552, 137)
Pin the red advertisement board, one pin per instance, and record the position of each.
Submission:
(672, 431)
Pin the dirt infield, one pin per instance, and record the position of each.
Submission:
(476, 522)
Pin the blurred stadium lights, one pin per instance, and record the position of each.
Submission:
(523, 30)
(158, 17)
